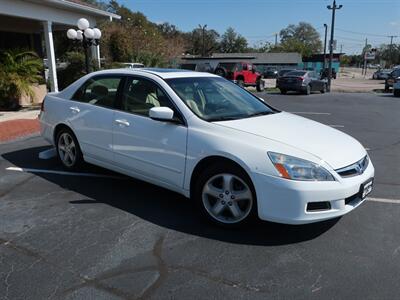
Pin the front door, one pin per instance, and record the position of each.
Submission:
(144, 147)
(91, 116)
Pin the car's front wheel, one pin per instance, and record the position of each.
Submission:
(68, 150)
(225, 195)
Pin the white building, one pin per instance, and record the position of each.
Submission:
(25, 23)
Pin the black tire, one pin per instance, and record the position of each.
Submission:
(75, 164)
(387, 88)
(307, 91)
(240, 82)
(260, 85)
(220, 72)
(215, 171)
(283, 92)
(396, 93)
(323, 91)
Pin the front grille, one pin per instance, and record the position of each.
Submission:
(354, 169)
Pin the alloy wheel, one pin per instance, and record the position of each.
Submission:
(227, 198)
(67, 149)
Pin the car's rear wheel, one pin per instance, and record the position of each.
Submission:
(323, 91)
(225, 195)
(396, 93)
(240, 82)
(260, 85)
(68, 150)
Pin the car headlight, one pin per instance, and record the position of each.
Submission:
(294, 168)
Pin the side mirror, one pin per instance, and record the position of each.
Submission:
(161, 114)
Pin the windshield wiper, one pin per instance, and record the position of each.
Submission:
(222, 119)
(261, 113)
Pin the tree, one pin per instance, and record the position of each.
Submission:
(195, 41)
(302, 38)
(232, 42)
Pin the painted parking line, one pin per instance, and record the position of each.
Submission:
(337, 126)
(29, 170)
(383, 200)
(309, 113)
(65, 173)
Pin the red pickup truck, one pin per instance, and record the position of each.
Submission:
(244, 74)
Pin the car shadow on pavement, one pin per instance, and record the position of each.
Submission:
(160, 206)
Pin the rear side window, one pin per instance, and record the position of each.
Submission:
(100, 91)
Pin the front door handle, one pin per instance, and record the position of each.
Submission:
(122, 122)
(75, 109)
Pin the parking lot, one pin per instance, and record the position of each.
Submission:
(101, 235)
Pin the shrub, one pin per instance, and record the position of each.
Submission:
(18, 72)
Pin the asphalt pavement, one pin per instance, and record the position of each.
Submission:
(101, 235)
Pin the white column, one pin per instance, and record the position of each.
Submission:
(51, 56)
(95, 54)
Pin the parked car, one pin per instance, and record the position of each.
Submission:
(242, 73)
(208, 139)
(301, 81)
(325, 73)
(381, 74)
(396, 88)
(198, 67)
(267, 72)
(132, 65)
(392, 78)
(282, 72)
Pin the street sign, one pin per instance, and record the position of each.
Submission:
(369, 55)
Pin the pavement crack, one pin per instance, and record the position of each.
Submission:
(162, 269)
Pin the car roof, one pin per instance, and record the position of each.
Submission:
(163, 73)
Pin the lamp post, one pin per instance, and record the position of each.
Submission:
(87, 36)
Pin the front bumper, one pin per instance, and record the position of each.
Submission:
(285, 201)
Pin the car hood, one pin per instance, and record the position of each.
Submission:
(333, 146)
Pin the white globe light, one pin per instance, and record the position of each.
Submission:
(71, 34)
(83, 24)
(79, 35)
(97, 33)
(89, 33)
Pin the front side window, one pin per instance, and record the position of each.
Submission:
(217, 99)
(140, 95)
(100, 91)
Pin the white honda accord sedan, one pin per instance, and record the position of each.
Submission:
(210, 140)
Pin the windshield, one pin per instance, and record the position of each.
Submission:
(228, 66)
(217, 99)
(283, 72)
(296, 73)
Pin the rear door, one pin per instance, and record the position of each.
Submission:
(91, 116)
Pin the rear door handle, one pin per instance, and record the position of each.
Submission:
(122, 123)
(75, 109)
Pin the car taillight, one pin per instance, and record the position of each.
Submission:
(301, 78)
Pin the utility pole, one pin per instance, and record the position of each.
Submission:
(324, 64)
(365, 58)
(276, 39)
(391, 48)
(341, 48)
(332, 7)
(203, 49)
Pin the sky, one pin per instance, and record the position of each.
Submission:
(259, 20)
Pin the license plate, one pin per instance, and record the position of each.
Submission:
(366, 188)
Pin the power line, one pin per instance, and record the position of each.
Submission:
(361, 33)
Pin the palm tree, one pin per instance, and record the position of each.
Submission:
(18, 72)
